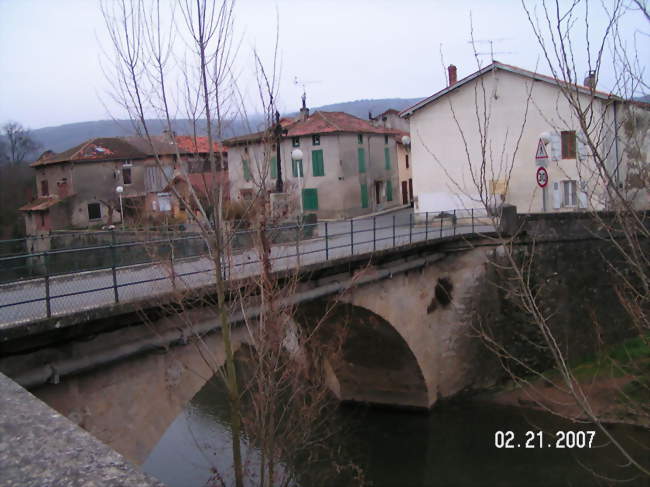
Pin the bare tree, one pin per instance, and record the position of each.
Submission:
(19, 143)
(614, 169)
(284, 395)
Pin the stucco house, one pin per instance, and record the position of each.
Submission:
(391, 120)
(521, 122)
(349, 167)
(77, 188)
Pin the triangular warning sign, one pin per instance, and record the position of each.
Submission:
(541, 150)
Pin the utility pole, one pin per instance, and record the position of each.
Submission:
(279, 187)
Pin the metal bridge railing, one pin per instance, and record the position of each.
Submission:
(58, 281)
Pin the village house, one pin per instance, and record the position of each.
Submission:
(79, 188)
(391, 120)
(535, 153)
(348, 166)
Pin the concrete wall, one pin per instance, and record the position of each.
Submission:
(441, 175)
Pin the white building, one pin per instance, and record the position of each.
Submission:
(484, 138)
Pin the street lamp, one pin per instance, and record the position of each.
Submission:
(296, 155)
(120, 190)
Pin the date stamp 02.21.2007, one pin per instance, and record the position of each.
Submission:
(537, 439)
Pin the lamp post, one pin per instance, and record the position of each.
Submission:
(296, 155)
(120, 190)
(279, 187)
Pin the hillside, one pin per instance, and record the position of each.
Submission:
(63, 137)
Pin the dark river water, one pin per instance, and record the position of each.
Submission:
(454, 445)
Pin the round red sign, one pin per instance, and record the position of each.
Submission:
(542, 177)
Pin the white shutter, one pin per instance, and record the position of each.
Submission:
(582, 148)
(557, 196)
(583, 198)
(556, 146)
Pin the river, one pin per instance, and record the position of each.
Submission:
(453, 445)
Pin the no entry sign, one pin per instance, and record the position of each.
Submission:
(542, 177)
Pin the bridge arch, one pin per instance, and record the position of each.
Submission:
(374, 363)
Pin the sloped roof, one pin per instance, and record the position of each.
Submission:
(317, 123)
(40, 204)
(133, 147)
(504, 67)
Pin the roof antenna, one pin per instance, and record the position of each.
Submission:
(492, 52)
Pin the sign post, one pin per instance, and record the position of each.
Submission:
(541, 159)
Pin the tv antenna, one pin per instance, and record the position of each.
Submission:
(304, 84)
(491, 42)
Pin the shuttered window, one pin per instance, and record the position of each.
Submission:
(568, 144)
(389, 190)
(387, 157)
(361, 153)
(296, 168)
(310, 199)
(364, 196)
(318, 168)
(247, 169)
(274, 167)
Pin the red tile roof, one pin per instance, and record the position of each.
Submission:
(40, 204)
(120, 148)
(317, 123)
(505, 67)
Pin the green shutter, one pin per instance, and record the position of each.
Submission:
(364, 196)
(387, 157)
(361, 152)
(310, 199)
(274, 168)
(247, 170)
(296, 168)
(318, 168)
(389, 190)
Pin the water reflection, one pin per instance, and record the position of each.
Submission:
(451, 446)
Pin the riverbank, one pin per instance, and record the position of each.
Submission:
(616, 384)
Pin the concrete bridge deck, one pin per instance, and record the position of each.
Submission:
(57, 296)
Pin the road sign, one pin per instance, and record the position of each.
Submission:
(541, 150)
(542, 177)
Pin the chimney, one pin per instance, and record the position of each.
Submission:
(451, 70)
(590, 80)
(304, 111)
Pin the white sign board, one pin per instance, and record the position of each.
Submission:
(541, 156)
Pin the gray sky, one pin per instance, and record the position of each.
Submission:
(50, 72)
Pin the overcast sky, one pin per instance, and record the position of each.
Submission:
(50, 50)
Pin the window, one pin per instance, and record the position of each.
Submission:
(44, 188)
(94, 211)
(295, 141)
(360, 138)
(246, 168)
(315, 139)
(224, 161)
(387, 157)
(126, 174)
(407, 161)
(361, 153)
(246, 194)
(389, 190)
(569, 144)
(164, 201)
(310, 199)
(296, 168)
(569, 194)
(364, 196)
(317, 166)
(385, 139)
(274, 167)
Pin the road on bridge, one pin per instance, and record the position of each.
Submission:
(26, 301)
